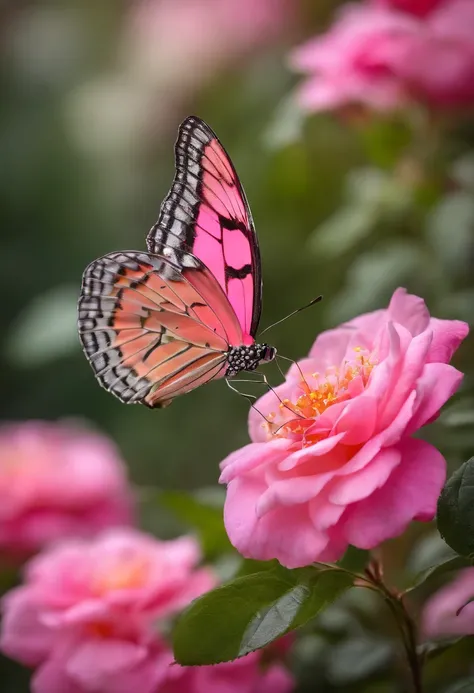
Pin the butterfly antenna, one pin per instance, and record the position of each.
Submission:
(290, 315)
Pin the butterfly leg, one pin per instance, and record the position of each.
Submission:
(295, 363)
(248, 397)
(283, 402)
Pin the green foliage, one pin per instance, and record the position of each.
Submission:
(434, 571)
(464, 686)
(357, 658)
(251, 611)
(456, 510)
(204, 518)
(46, 329)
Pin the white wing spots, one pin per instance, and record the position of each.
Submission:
(179, 211)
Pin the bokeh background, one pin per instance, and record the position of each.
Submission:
(347, 204)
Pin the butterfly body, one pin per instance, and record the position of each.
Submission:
(248, 358)
(158, 324)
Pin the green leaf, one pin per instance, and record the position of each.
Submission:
(355, 559)
(286, 126)
(248, 566)
(372, 276)
(343, 230)
(455, 563)
(464, 686)
(46, 329)
(456, 510)
(450, 231)
(252, 611)
(430, 650)
(205, 518)
(357, 658)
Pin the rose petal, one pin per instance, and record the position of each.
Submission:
(437, 384)
(252, 456)
(361, 484)
(410, 493)
(291, 491)
(319, 449)
(51, 677)
(409, 310)
(24, 636)
(447, 336)
(95, 660)
(358, 420)
(286, 534)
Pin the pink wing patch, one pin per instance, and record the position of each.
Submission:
(206, 213)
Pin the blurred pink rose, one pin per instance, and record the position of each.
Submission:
(243, 675)
(382, 57)
(184, 42)
(438, 65)
(57, 480)
(353, 61)
(87, 615)
(440, 613)
(417, 7)
(338, 464)
(93, 615)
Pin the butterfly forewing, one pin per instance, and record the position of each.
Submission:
(206, 215)
(149, 337)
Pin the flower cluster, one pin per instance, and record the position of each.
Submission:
(335, 461)
(92, 615)
(385, 53)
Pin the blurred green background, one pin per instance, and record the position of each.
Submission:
(350, 206)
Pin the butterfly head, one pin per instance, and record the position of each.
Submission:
(248, 358)
(268, 353)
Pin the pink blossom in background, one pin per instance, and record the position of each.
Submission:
(184, 42)
(57, 480)
(438, 66)
(419, 8)
(92, 617)
(380, 56)
(245, 675)
(440, 618)
(337, 463)
(352, 62)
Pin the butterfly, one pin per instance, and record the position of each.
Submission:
(157, 324)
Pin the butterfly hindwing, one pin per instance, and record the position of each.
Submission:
(206, 215)
(149, 337)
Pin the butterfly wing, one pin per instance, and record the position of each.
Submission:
(150, 338)
(206, 214)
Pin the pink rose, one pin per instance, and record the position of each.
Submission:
(57, 480)
(92, 617)
(440, 615)
(381, 57)
(336, 463)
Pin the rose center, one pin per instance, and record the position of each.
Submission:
(319, 392)
(128, 574)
